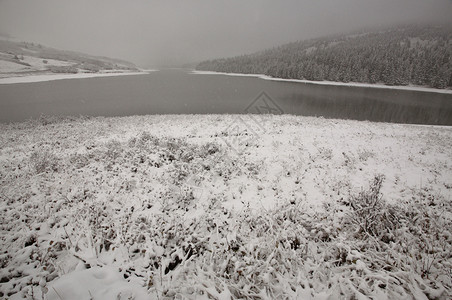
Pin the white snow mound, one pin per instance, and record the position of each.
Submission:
(95, 283)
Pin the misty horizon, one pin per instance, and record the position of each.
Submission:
(158, 33)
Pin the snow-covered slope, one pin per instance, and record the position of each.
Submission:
(225, 207)
(24, 59)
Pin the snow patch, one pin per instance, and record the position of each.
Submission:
(334, 83)
(51, 77)
(104, 283)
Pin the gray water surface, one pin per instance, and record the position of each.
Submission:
(179, 92)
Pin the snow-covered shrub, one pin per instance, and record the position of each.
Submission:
(370, 214)
(79, 160)
(427, 232)
(325, 153)
(114, 150)
(411, 238)
(44, 161)
(364, 155)
(208, 149)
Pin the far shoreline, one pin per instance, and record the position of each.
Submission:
(54, 76)
(333, 83)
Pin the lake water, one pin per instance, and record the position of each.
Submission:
(178, 92)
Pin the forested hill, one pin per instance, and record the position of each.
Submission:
(410, 55)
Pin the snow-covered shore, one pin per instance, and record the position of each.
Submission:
(53, 76)
(334, 83)
(224, 206)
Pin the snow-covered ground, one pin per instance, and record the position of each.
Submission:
(10, 67)
(50, 77)
(224, 206)
(355, 84)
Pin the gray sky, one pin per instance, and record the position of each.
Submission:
(155, 33)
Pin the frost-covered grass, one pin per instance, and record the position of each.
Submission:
(161, 207)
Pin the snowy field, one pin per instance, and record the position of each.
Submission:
(224, 207)
(355, 84)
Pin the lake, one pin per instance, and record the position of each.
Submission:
(179, 92)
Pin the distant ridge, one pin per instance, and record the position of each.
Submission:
(23, 58)
(408, 55)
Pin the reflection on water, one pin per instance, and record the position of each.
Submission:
(373, 108)
(178, 92)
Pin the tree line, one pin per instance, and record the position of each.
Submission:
(410, 55)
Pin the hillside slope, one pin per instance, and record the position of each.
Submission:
(22, 58)
(410, 55)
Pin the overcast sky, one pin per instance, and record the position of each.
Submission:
(155, 33)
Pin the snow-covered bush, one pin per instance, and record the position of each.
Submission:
(44, 161)
(370, 214)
